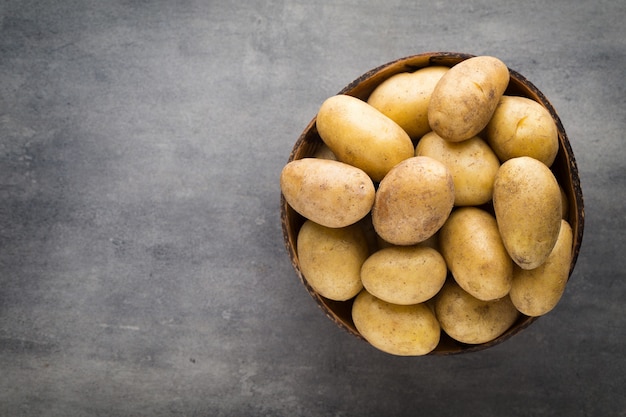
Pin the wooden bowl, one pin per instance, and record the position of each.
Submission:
(564, 168)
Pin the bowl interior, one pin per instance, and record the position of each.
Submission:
(564, 168)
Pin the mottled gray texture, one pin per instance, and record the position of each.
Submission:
(142, 266)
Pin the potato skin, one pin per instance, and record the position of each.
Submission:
(404, 98)
(465, 98)
(413, 201)
(537, 291)
(472, 163)
(522, 127)
(404, 275)
(470, 320)
(472, 247)
(410, 330)
(331, 259)
(328, 192)
(362, 136)
(528, 208)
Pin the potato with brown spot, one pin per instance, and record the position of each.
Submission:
(472, 247)
(410, 330)
(465, 98)
(413, 201)
(331, 259)
(467, 319)
(528, 208)
(328, 192)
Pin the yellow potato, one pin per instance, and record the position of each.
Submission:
(404, 274)
(472, 247)
(470, 320)
(472, 163)
(362, 136)
(404, 98)
(528, 208)
(522, 127)
(413, 201)
(331, 259)
(328, 192)
(399, 330)
(537, 291)
(465, 98)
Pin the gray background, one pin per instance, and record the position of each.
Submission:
(142, 266)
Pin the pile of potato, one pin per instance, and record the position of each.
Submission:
(433, 207)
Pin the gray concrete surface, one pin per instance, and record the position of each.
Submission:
(142, 267)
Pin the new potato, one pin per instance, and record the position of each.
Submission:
(328, 192)
(472, 163)
(465, 98)
(410, 330)
(472, 247)
(360, 135)
(331, 259)
(537, 291)
(404, 274)
(522, 127)
(413, 201)
(528, 208)
(467, 319)
(404, 98)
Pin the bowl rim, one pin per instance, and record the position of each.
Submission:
(361, 87)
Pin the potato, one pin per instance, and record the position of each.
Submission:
(522, 127)
(399, 330)
(413, 201)
(328, 192)
(469, 320)
(472, 247)
(331, 259)
(362, 136)
(537, 291)
(472, 163)
(404, 98)
(527, 205)
(404, 274)
(465, 98)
